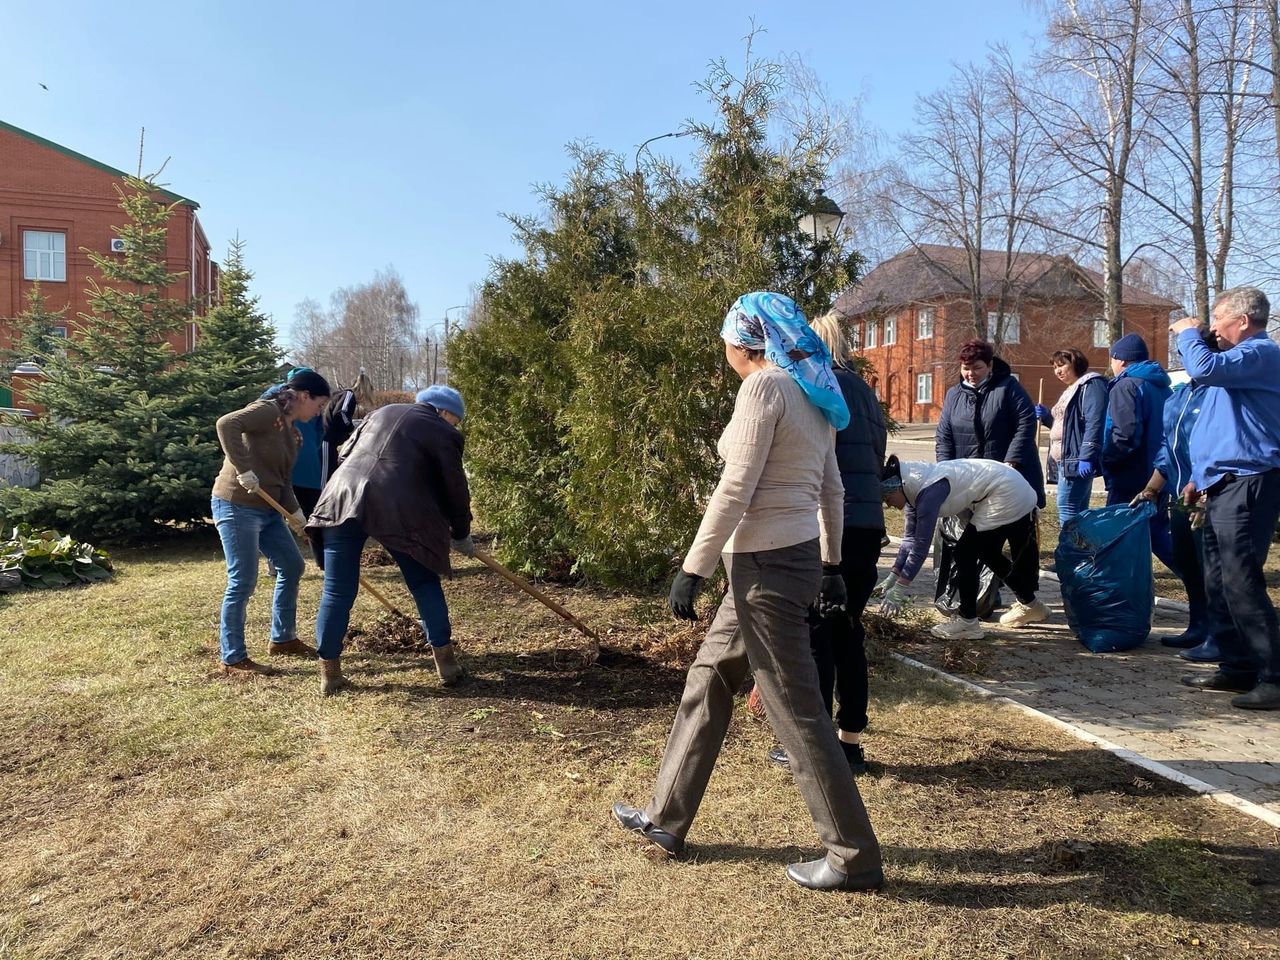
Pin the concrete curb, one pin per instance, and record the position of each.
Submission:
(1217, 794)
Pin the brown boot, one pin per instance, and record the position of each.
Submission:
(447, 664)
(331, 678)
(291, 648)
(246, 669)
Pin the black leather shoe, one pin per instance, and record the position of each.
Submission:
(857, 759)
(636, 821)
(820, 875)
(779, 756)
(1184, 640)
(1222, 680)
(1265, 696)
(1207, 652)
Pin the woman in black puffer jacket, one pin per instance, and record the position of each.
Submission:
(989, 415)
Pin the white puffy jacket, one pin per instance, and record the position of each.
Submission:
(993, 493)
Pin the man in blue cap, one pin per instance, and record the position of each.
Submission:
(1134, 431)
(1235, 467)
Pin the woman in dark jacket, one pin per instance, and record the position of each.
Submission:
(989, 415)
(838, 642)
(1075, 430)
(339, 421)
(401, 483)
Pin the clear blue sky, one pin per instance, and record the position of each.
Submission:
(338, 139)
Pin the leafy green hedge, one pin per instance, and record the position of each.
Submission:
(45, 558)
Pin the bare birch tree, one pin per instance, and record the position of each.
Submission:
(1085, 105)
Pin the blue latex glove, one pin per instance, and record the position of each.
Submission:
(1042, 412)
(1084, 469)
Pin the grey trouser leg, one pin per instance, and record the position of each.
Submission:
(762, 628)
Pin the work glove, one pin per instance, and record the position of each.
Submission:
(1145, 495)
(895, 599)
(883, 586)
(300, 519)
(466, 546)
(249, 480)
(684, 590)
(834, 596)
(1042, 412)
(1084, 469)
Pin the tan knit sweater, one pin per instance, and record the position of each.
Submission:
(258, 438)
(781, 483)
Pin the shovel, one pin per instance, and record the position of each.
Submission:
(364, 584)
(519, 581)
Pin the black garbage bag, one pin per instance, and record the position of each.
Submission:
(946, 595)
(1104, 566)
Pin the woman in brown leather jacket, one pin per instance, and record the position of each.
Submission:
(401, 482)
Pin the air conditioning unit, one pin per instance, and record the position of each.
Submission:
(117, 245)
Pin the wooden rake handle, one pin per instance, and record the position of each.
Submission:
(519, 581)
(364, 584)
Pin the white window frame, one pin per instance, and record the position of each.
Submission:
(872, 334)
(1012, 327)
(855, 336)
(924, 324)
(1100, 329)
(890, 331)
(924, 388)
(45, 263)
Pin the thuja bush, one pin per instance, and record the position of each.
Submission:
(594, 374)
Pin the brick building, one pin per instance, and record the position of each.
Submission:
(56, 206)
(910, 315)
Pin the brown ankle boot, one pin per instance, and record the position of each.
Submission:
(246, 669)
(331, 678)
(291, 648)
(447, 664)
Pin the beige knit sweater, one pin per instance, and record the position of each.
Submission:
(781, 483)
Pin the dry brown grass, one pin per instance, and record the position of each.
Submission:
(149, 809)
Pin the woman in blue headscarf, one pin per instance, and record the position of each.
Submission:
(776, 519)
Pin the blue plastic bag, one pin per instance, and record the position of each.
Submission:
(1104, 567)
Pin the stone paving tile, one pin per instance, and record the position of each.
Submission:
(1132, 699)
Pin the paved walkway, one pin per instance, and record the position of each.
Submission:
(1133, 699)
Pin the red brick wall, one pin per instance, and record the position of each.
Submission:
(1044, 328)
(42, 188)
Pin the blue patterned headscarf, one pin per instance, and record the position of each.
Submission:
(773, 323)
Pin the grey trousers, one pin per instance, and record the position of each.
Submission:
(762, 628)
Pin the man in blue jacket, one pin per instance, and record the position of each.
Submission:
(1208, 614)
(1235, 465)
(1134, 431)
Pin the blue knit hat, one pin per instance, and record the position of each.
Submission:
(1131, 348)
(443, 398)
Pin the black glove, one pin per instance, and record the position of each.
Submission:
(834, 598)
(684, 590)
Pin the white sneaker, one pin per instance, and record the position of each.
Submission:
(958, 628)
(1021, 614)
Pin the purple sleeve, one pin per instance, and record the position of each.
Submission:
(921, 518)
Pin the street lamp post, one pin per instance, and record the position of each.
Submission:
(821, 222)
(460, 306)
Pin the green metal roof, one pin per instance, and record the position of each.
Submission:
(97, 165)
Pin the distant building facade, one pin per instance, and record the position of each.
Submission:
(910, 315)
(56, 206)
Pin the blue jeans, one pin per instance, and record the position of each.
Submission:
(342, 546)
(245, 531)
(1073, 497)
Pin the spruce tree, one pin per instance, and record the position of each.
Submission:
(236, 357)
(121, 452)
(37, 337)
